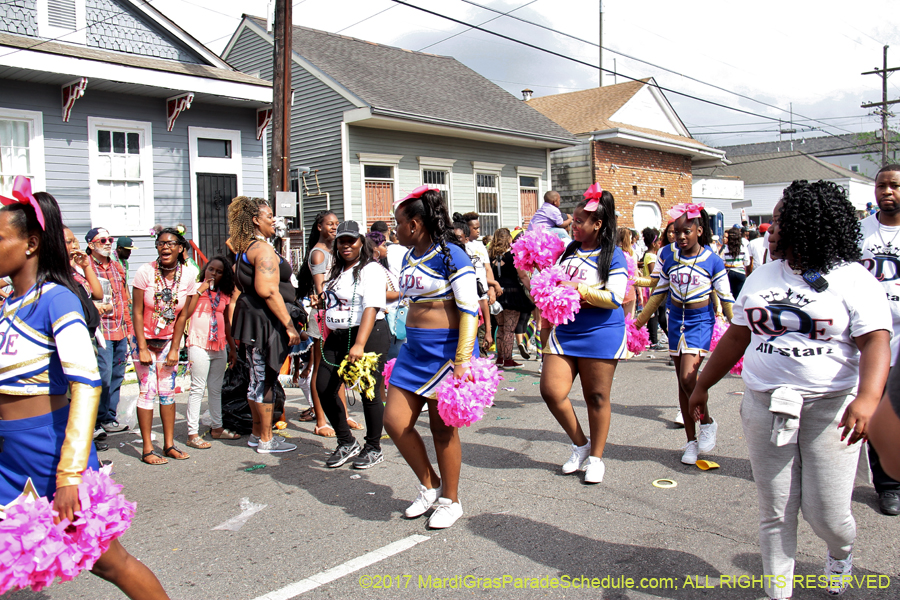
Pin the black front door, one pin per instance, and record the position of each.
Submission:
(214, 194)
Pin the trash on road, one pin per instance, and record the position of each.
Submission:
(665, 483)
(255, 467)
(248, 509)
(355, 477)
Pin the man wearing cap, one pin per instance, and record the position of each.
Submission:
(115, 325)
(758, 248)
(124, 246)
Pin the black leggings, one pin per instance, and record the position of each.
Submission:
(656, 321)
(522, 325)
(328, 382)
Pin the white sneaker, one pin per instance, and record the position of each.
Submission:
(679, 418)
(579, 455)
(423, 501)
(839, 573)
(594, 470)
(274, 445)
(253, 440)
(707, 438)
(690, 453)
(446, 514)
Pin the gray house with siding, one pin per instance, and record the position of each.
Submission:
(127, 120)
(373, 122)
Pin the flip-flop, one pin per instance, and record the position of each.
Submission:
(154, 453)
(354, 425)
(184, 455)
(226, 434)
(331, 433)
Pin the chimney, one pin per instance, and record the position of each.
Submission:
(526, 94)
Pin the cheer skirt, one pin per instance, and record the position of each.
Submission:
(425, 359)
(31, 449)
(595, 333)
(698, 330)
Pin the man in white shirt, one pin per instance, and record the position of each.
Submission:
(757, 249)
(881, 256)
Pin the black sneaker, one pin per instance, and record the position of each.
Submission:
(343, 454)
(369, 457)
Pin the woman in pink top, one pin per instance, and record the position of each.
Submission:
(210, 348)
(162, 290)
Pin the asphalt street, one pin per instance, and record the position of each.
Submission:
(338, 533)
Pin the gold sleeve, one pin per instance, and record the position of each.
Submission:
(644, 282)
(597, 297)
(76, 448)
(468, 334)
(650, 309)
(726, 308)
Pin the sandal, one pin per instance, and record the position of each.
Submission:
(167, 453)
(197, 442)
(307, 415)
(353, 424)
(329, 432)
(226, 434)
(156, 454)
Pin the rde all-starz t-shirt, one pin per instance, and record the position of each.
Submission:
(881, 256)
(801, 338)
(344, 303)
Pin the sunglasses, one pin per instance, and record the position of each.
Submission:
(100, 240)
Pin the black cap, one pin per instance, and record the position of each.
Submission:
(350, 228)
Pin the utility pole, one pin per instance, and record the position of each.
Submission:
(600, 44)
(884, 73)
(281, 100)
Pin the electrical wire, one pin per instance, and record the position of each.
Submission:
(470, 29)
(367, 18)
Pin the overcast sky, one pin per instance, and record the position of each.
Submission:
(809, 53)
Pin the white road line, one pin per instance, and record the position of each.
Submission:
(304, 585)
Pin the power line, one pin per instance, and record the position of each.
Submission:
(367, 18)
(587, 64)
(488, 21)
(595, 44)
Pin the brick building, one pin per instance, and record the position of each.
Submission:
(632, 143)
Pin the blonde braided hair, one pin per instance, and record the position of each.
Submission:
(241, 229)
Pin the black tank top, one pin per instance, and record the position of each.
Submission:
(246, 273)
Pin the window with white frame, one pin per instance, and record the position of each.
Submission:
(121, 166)
(21, 148)
(439, 180)
(487, 201)
(378, 181)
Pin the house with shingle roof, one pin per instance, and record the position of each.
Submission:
(127, 120)
(372, 122)
(632, 143)
(764, 178)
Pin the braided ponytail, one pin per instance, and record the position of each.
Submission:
(432, 210)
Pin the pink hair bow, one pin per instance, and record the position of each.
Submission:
(21, 192)
(416, 193)
(592, 195)
(688, 208)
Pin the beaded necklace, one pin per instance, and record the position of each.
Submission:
(166, 298)
(213, 318)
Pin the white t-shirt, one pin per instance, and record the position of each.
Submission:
(801, 338)
(881, 256)
(478, 254)
(344, 305)
(757, 250)
(395, 254)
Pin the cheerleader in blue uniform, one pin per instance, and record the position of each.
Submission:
(441, 328)
(592, 344)
(688, 277)
(45, 352)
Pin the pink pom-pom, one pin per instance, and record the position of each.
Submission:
(738, 368)
(536, 249)
(34, 551)
(636, 339)
(719, 330)
(461, 402)
(388, 369)
(631, 261)
(558, 303)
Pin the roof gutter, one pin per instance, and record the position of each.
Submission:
(628, 137)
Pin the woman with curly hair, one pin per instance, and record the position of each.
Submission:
(262, 322)
(689, 274)
(210, 348)
(514, 299)
(737, 259)
(814, 328)
(439, 281)
(162, 290)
